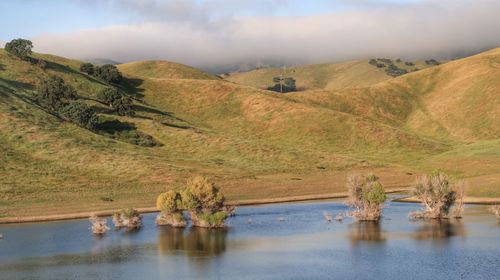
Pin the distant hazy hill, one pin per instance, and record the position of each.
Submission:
(359, 73)
(255, 143)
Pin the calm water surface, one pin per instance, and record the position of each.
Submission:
(281, 241)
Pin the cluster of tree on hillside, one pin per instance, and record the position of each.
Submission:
(390, 67)
(61, 99)
(108, 72)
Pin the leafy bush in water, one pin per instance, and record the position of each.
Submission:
(80, 114)
(204, 202)
(437, 196)
(20, 47)
(366, 196)
(53, 93)
(129, 218)
(170, 206)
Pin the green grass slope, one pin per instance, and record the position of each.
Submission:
(253, 142)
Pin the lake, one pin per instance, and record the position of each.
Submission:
(279, 241)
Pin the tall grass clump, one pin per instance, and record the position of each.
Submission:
(170, 206)
(438, 196)
(366, 195)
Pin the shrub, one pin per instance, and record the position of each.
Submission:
(409, 63)
(373, 61)
(170, 206)
(80, 114)
(366, 195)
(123, 106)
(99, 225)
(395, 71)
(87, 68)
(41, 63)
(495, 209)
(283, 85)
(436, 194)
(54, 93)
(205, 203)
(108, 95)
(20, 47)
(108, 73)
(432, 62)
(129, 218)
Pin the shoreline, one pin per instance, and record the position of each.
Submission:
(247, 202)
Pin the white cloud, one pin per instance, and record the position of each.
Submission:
(429, 29)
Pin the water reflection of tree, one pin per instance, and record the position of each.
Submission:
(193, 241)
(367, 231)
(440, 230)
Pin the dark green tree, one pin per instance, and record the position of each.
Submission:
(108, 73)
(21, 48)
(53, 93)
(109, 95)
(283, 85)
(80, 114)
(123, 106)
(87, 68)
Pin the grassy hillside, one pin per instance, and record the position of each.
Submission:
(351, 74)
(165, 70)
(254, 143)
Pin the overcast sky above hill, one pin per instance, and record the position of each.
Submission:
(223, 33)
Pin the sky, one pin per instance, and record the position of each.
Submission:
(229, 34)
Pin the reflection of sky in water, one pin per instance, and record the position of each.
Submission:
(267, 241)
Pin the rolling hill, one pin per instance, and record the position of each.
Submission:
(255, 143)
(337, 76)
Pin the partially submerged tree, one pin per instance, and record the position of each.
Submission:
(495, 209)
(170, 206)
(458, 209)
(21, 48)
(437, 196)
(54, 93)
(366, 195)
(205, 203)
(99, 225)
(129, 218)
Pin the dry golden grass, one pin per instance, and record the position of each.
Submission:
(254, 143)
